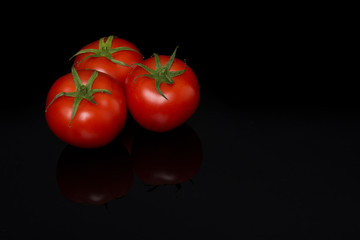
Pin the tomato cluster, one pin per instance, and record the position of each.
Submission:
(87, 108)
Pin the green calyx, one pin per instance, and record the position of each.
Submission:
(105, 50)
(161, 74)
(82, 92)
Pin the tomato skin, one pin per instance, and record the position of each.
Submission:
(94, 125)
(104, 65)
(151, 110)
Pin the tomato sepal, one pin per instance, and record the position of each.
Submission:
(82, 92)
(106, 51)
(161, 74)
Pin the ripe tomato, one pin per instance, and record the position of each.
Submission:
(162, 93)
(94, 176)
(86, 108)
(111, 55)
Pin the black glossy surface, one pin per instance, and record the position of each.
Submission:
(276, 136)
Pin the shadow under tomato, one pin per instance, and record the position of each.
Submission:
(94, 176)
(168, 158)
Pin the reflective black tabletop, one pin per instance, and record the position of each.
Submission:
(221, 174)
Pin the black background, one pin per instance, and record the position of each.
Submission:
(278, 121)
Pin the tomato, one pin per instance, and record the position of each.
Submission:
(94, 176)
(113, 56)
(162, 92)
(86, 108)
(168, 158)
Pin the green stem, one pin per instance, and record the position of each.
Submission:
(161, 74)
(106, 51)
(82, 92)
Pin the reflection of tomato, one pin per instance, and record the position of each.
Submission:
(167, 158)
(129, 132)
(94, 176)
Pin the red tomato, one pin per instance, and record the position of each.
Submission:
(86, 108)
(94, 176)
(162, 93)
(111, 55)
